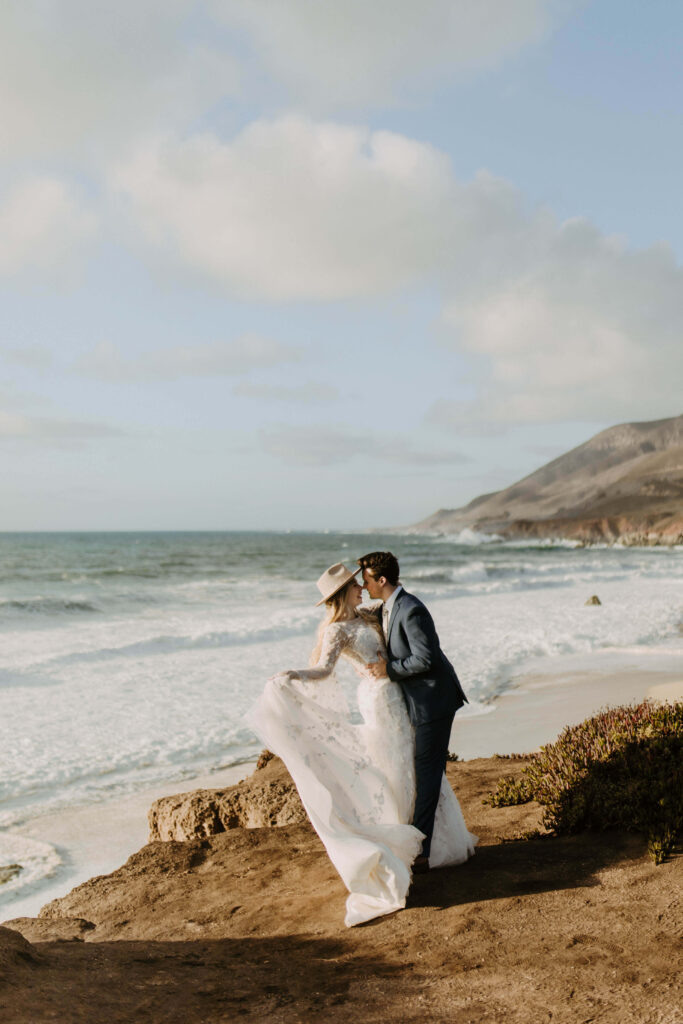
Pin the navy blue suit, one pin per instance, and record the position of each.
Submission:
(432, 693)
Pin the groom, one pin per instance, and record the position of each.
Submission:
(430, 686)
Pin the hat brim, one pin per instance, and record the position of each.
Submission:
(337, 589)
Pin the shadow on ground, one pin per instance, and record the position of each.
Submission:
(265, 979)
(526, 867)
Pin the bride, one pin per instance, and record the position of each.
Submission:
(357, 782)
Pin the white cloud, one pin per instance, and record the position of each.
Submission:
(557, 320)
(78, 76)
(33, 357)
(248, 352)
(84, 76)
(572, 324)
(355, 52)
(22, 421)
(308, 393)
(43, 228)
(332, 445)
(16, 426)
(292, 209)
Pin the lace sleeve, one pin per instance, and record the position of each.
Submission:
(335, 640)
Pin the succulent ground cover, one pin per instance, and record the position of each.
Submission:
(623, 768)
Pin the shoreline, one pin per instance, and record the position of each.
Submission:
(96, 839)
(538, 706)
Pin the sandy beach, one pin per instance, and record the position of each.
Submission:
(538, 707)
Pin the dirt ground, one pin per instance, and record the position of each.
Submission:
(248, 925)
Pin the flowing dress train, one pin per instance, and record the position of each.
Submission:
(357, 782)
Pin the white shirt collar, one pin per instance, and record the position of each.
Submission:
(389, 603)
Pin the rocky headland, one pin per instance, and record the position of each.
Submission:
(233, 912)
(623, 485)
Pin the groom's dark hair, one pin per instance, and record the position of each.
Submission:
(381, 563)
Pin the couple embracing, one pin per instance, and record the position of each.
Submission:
(375, 792)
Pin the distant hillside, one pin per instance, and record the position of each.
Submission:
(625, 484)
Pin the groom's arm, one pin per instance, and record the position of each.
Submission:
(424, 647)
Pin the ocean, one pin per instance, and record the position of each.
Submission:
(129, 659)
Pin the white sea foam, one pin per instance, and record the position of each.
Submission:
(471, 538)
(33, 862)
(548, 542)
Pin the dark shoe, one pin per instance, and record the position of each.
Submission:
(420, 865)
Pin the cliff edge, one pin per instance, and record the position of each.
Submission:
(247, 924)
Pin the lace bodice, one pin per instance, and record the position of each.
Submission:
(355, 639)
(387, 737)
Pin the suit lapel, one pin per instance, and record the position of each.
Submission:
(392, 617)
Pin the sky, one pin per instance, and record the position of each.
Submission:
(297, 264)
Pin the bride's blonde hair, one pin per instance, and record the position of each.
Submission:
(338, 610)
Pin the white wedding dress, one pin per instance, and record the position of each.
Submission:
(357, 782)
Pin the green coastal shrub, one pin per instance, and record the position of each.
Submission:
(623, 768)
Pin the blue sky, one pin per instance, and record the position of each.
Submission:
(308, 265)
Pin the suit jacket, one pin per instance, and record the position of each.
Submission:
(429, 682)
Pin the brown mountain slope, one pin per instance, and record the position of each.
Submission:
(625, 483)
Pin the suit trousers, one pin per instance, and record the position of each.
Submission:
(431, 751)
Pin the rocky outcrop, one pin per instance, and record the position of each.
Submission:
(57, 929)
(632, 531)
(625, 484)
(8, 872)
(16, 954)
(267, 798)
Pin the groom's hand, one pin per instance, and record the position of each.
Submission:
(378, 669)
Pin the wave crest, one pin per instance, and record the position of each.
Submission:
(48, 606)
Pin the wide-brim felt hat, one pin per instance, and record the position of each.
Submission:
(333, 579)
